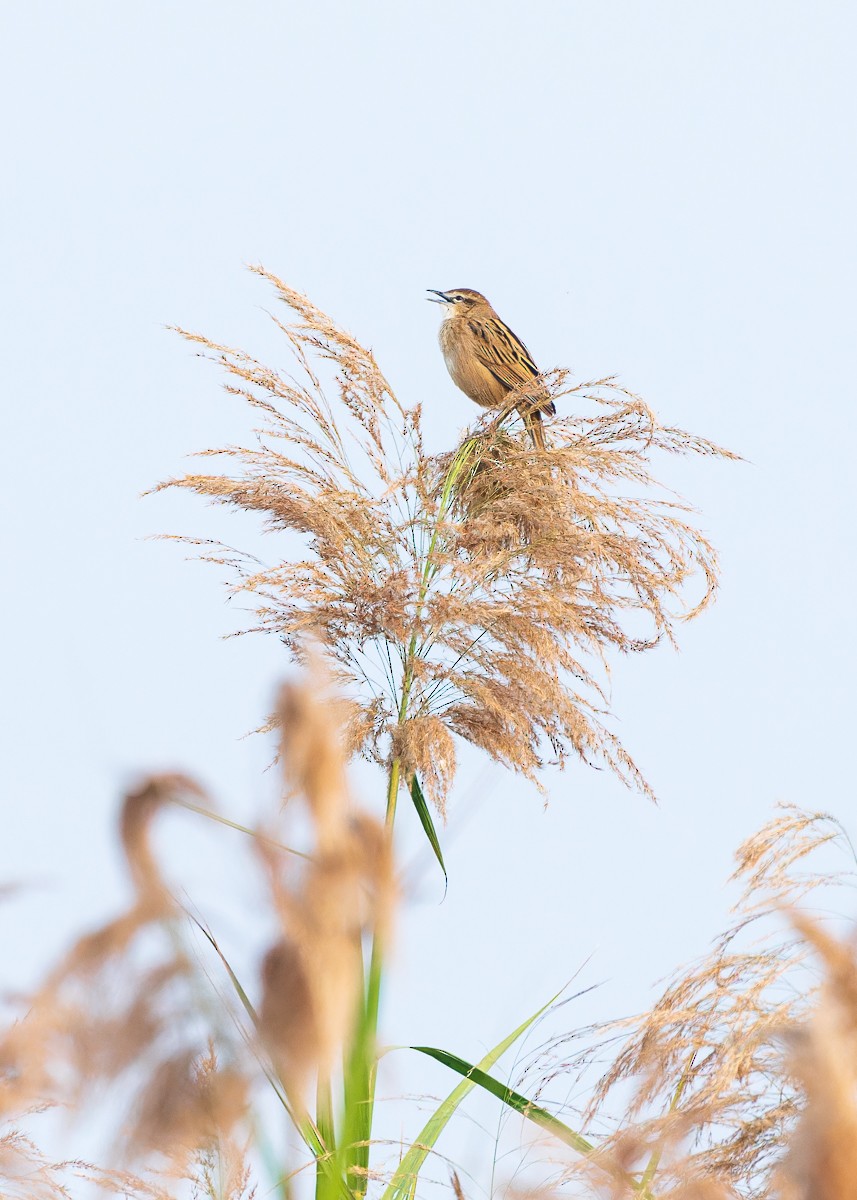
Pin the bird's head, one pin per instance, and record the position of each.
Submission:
(458, 302)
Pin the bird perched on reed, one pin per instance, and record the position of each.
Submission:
(486, 360)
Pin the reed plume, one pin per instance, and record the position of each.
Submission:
(476, 594)
(821, 1159)
(125, 996)
(312, 974)
(714, 1102)
(129, 1009)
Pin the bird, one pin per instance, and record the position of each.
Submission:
(486, 359)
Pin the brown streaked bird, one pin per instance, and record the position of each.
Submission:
(485, 359)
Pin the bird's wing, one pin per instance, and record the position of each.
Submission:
(504, 355)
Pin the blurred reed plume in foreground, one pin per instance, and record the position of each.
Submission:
(740, 1081)
(475, 593)
(821, 1162)
(129, 1011)
(739, 1074)
(312, 975)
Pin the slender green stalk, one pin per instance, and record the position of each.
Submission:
(362, 1065)
(655, 1160)
(392, 794)
(326, 1186)
(361, 1068)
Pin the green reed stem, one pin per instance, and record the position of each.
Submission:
(362, 1065)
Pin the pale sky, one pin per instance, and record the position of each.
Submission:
(665, 191)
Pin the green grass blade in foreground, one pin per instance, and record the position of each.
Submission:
(427, 823)
(233, 978)
(356, 1122)
(533, 1112)
(404, 1180)
(305, 1127)
(327, 1174)
(210, 815)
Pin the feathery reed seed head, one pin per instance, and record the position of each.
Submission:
(311, 976)
(705, 1062)
(821, 1163)
(474, 594)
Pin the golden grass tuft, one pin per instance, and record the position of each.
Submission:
(62, 1031)
(187, 1104)
(713, 1103)
(821, 1162)
(476, 594)
(122, 999)
(25, 1172)
(312, 974)
(124, 1012)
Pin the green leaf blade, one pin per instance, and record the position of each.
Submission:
(403, 1184)
(514, 1100)
(428, 824)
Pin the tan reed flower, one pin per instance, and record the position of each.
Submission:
(710, 1097)
(188, 1104)
(477, 594)
(25, 1171)
(821, 1163)
(122, 1005)
(130, 1006)
(312, 974)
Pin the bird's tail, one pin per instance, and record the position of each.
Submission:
(533, 422)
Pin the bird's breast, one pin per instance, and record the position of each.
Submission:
(450, 345)
(467, 372)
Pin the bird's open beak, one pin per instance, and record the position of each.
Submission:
(437, 297)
